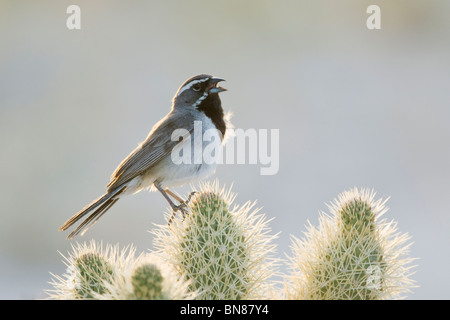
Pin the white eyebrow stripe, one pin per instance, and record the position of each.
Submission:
(190, 84)
(203, 97)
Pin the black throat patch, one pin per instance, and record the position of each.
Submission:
(212, 107)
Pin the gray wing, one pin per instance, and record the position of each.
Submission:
(155, 148)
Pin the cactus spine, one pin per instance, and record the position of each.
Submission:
(224, 252)
(352, 255)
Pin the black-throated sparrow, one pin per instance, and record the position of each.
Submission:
(151, 166)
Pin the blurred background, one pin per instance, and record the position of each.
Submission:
(355, 107)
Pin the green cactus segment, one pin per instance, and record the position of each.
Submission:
(352, 255)
(352, 265)
(222, 253)
(92, 270)
(360, 252)
(214, 251)
(357, 215)
(350, 270)
(147, 282)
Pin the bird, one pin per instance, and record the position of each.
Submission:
(151, 165)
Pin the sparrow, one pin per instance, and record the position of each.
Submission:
(151, 166)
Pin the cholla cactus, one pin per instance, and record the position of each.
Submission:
(94, 273)
(147, 278)
(224, 253)
(89, 268)
(147, 283)
(352, 254)
(219, 252)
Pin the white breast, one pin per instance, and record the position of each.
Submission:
(205, 151)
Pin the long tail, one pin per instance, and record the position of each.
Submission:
(101, 205)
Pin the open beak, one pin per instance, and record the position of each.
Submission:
(212, 85)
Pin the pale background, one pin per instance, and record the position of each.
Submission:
(354, 107)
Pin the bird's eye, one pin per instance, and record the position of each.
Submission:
(196, 87)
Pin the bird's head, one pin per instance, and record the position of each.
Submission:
(198, 91)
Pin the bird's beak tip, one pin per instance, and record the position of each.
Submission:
(214, 88)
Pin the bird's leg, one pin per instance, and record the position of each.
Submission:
(181, 201)
(175, 208)
(173, 195)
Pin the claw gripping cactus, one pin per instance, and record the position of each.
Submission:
(224, 252)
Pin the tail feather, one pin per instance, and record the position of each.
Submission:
(101, 205)
(89, 221)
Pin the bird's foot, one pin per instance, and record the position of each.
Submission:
(182, 207)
